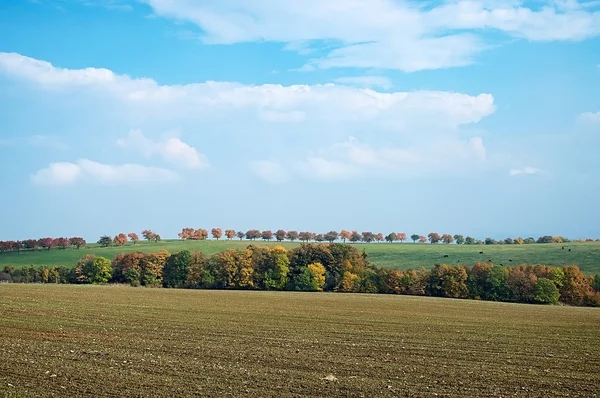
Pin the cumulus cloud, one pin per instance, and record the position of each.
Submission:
(355, 159)
(268, 102)
(172, 150)
(366, 81)
(66, 173)
(589, 118)
(402, 35)
(414, 131)
(524, 171)
(270, 171)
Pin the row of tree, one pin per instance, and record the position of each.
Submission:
(41, 244)
(76, 242)
(268, 235)
(318, 267)
(355, 237)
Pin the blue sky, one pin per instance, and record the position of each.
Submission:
(473, 117)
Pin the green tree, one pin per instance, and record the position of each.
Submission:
(392, 237)
(105, 241)
(469, 240)
(303, 280)
(415, 237)
(545, 292)
(93, 269)
(459, 239)
(176, 269)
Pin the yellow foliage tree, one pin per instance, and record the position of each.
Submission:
(318, 272)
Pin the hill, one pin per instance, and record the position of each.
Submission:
(395, 255)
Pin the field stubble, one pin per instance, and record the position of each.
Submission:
(118, 341)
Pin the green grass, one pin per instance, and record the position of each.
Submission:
(397, 255)
(116, 341)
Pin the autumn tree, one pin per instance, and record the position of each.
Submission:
(47, 243)
(392, 237)
(415, 237)
(331, 236)
(434, 237)
(379, 237)
(33, 243)
(152, 268)
(186, 233)
(229, 234)
(318, 273)
(19, 245)
(233, 269)
(148, 235)
(105, 241)
(447, 239)
(271, 267)
(401, 236)
(291, 235)
(447, 281)
(345, 235)
(422, 239)
(355, 237)
(240, 235)
(216, 233)
(305, 236)
(127, 268)
(120, 239)
(61, 243)
(93, 269)
(368, 237)
(253, 234)
(319, 238)
(133, 237)
(575, 286)
(280, 235)
(198, 274)
(266, 235)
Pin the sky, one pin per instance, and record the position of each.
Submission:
(458, 116)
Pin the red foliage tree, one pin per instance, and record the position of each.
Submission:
(266, 235)
(401, 236)
(133, 237)
(46, 243)
(120, 239)
(280, 235)
(61, 243)
(230, 234)
(345, 235)
(148, 235)
(216, 233)
(77, 242)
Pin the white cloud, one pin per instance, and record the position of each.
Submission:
(283, 117)
(524, 171)
(65, 173)
(270, 171)
(355, 159)
(589, 118)
(392, 34)
(268, 102)
(172, 150)
(366, 81)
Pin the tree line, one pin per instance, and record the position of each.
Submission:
(365, 237)
(279, 235)
(333, 267)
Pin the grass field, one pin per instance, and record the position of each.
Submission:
(401, 256)
(116, 341)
